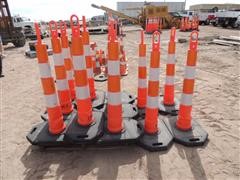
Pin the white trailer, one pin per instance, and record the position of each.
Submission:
(227, 18)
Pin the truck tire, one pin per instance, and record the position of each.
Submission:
(20, 42)
(207, 22)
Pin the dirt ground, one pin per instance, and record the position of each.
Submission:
(215, 107)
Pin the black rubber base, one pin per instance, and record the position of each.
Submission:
(129, 110)
(156, 142)
(39, 135)
(100, 77)
(66, 117)
(128, 135)
(197, 136)
(128, 98)
(77, 134)
(168, 110)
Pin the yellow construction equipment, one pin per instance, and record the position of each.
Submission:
(148, 11)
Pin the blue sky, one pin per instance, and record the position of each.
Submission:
(62, 9)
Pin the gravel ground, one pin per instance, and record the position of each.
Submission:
(215, 107)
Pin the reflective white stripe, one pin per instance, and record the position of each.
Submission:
(142, 83)
(190, 72)
(171, 59)
(154, 74)
(186, 99)
(79, 62)
(169, 80)
(90, 73)
(142, 62)
(113, 68)
(58, 59)
(86, 50)
(82, 92)
(114, 98)
(69, 75)
(51, 100)
(62, 84)
(45, 70)
(66, 53)
(123, 62)
(152, 102)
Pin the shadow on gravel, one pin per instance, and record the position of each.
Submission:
(101, 163)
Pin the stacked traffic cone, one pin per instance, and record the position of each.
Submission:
(50, 131)
(86, 126)
(186, 130)
(156, 135)
(168, 104)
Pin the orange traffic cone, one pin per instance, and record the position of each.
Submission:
(185, 130)
(142, 74)
(67, 58)
(55, 117)
(61, 76)
(88, 58)
(84, 104)
(169, 105)
(156, 135)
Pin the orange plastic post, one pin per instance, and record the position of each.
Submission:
(55, 117)
(184, 114)
(84, 104)
(64, 94)
(142, 74)
(67, 58)
(88, 58)
(168, 98)
(114, 106)
(123, 61)
(151, 118)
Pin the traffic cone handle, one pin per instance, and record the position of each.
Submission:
(156, 41)
(63, 28)
(193, 40)
(173, 34)
(142, 37)
(53, 29)
(75, 27)
(38, 34)
(84, 24)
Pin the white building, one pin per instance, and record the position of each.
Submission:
(134, 8)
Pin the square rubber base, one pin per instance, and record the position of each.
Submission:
(129, 134)
(160, 141)
(197, 136)
(100, 77)
(39, 135)
(85, 134)
(66, 117)
(168, 110)
(99, 100)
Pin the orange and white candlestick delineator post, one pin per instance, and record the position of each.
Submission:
(86, 126)
(47, 132)
(168, 104)
(88, 58)
(142, 74)
(184, 129)
(156, 135)
(64, 94)
(67, 58)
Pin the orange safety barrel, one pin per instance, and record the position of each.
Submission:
(142, 74)
(67, 58)
(168, 98)
(84, 104)
(184, 114)
(151, 118)
(64, 94)
(114, 105)
(55, 117)
(88, 58)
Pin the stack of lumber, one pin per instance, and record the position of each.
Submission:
(227, 41)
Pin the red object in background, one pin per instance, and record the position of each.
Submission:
(152, 25)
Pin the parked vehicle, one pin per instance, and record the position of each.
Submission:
(205, 16)
(227, 18)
